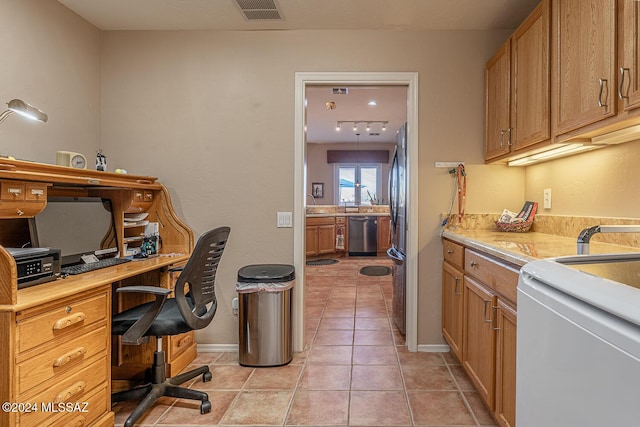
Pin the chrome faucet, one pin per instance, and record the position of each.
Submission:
(587, 233)
(313, 199)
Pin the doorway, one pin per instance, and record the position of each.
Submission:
(302, 81)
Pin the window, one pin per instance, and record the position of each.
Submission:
(349, 175)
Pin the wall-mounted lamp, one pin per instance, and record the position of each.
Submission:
(357, 122)
(20, 107)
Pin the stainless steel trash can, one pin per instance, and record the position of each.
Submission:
(264, 314)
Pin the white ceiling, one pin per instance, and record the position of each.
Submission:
(317, 15)
(305, 14)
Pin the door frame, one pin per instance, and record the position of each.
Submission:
(302, 80)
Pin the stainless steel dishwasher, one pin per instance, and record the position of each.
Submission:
(363, 235)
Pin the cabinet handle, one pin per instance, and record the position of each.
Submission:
(501, 138)
(68, 393)
(473, 264)
(495, 318)
(486, 304)
(602, 83)
(509, 137)
(455, 289)
(69, 357)
(184, 341)
(449, 251)
(80, 421)
(67, 321)
(622, 72)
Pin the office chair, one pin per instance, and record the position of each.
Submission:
(173, 316)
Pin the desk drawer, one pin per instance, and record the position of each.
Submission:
(499, 277)
(179, 343)
(96, 406)
(453, 253)
(61, 320)
(62, 359)
(75, 388)
(12, 191)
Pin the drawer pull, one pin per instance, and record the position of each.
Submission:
(185, 341)
(79, 421)
(449, 251)
(67, 321)
(74, 354)
(473, 263)
(15, 191)
(74, 390)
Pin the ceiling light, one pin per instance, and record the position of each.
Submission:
(368, 127)
(372, 103)
(20, 107)
(384, 126)
(355, 126)
(338, 126)
(356, 123)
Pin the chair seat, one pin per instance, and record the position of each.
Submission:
(168, 322)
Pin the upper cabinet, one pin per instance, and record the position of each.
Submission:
(629, 58)
(517, 89)
(583, 64)
(566, 81)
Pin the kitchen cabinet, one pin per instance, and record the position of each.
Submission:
(479, 339)
(452, 308)
(480, 324)
(505, 320)
(517, 88)
(583, 63)
(320, 235)
(629, 55)
(384, 233)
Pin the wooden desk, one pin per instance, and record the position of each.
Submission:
(56, 350)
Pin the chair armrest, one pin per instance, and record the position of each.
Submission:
(136, 333)
(174, 269)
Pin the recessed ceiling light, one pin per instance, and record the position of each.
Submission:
(372, 103)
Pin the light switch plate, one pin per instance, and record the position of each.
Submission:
(285, 220)
(547, 198)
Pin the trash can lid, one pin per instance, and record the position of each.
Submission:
(267, 273)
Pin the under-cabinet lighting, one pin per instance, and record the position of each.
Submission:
(631, 133)
(554, 153)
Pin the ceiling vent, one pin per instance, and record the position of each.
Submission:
(374, 134)
(259, 10)
(340, 90)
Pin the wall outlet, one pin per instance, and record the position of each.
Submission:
(547, 198)
(234, 305)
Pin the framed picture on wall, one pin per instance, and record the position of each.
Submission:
(317, 190)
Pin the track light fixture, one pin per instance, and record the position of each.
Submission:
(383, 124)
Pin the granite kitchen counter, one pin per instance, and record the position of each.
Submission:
(521, 248)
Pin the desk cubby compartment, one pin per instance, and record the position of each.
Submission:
(142, 201)
(21, 199)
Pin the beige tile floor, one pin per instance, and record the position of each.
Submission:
(355, 370)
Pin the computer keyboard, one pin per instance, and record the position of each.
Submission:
(84, 268)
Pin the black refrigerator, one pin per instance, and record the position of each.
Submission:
(398, 211)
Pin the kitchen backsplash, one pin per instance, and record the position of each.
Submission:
(557, 225)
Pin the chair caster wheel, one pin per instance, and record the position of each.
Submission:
(205, 407)
(206, 377)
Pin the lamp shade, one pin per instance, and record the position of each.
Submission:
(29, 111)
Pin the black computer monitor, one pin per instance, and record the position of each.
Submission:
(77, 226)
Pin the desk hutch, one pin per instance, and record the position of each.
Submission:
(56, 348)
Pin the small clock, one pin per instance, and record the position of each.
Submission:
(72, 159)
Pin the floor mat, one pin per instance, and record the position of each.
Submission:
(375, 270)
(327, 261)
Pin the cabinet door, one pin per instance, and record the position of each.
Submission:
(384, 234)
(497, 85)
(505, 412)
(584, 37)
(479, 339)
(530, 90)
(452, 283)
(629, 71)
(326, 239)
(311, 240)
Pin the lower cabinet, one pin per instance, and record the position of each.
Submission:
(479, 339)
(479, 321)
(384, 233)
(320, 236)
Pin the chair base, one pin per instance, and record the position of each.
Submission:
(163, 386)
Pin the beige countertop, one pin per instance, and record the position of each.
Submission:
(521, 248)
(320, 215)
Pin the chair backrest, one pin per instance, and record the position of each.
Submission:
(199, 305)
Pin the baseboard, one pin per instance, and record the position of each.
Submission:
(434, 348)
(217, 348)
